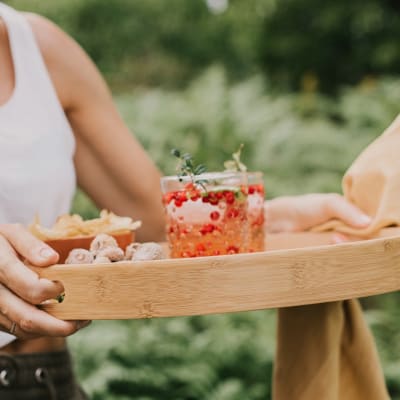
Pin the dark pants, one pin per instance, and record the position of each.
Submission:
(38, 376)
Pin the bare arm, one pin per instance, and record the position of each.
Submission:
(112, 167)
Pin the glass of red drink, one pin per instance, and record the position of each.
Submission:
(206, 214)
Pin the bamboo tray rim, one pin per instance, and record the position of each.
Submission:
(217, 284)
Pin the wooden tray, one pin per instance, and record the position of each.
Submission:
(295, 274)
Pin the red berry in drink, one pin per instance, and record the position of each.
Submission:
(214, 215)
(229, 197)
(200, 247)
(232, 249)
(232, 213)
(207, 228)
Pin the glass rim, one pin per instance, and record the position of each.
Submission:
(255, 173)
(206, 176)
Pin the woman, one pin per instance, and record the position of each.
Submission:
(58, 125)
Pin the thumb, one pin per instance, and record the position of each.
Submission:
(28, 246)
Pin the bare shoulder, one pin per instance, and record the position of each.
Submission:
(65, 60)
(55, 45)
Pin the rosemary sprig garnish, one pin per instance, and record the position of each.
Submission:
(187, 167)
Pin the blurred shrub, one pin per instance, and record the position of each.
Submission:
(156, 42)
(305, 43)
(303, 142)
(224, 357)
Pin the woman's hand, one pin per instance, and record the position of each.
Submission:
(21, 289)
(300, 213)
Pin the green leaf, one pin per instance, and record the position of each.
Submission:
(200, 169)
(176, 153)
(235, 164)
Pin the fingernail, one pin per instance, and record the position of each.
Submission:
(364, 219)
(47, 252)
(83, 324)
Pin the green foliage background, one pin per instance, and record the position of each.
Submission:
(302, 142)
(294, 43)
(206, 82)
(337, 42)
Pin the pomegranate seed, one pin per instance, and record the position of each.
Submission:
(194, 195)
(214, 215)
(232, 249)
(200, 247)
(182, 197)
(213, 198)
(229, 197)
(207, 228)
(232, 213)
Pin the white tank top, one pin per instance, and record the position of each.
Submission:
(37, 175)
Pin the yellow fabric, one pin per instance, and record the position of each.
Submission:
(326, 351)
(373, 184)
